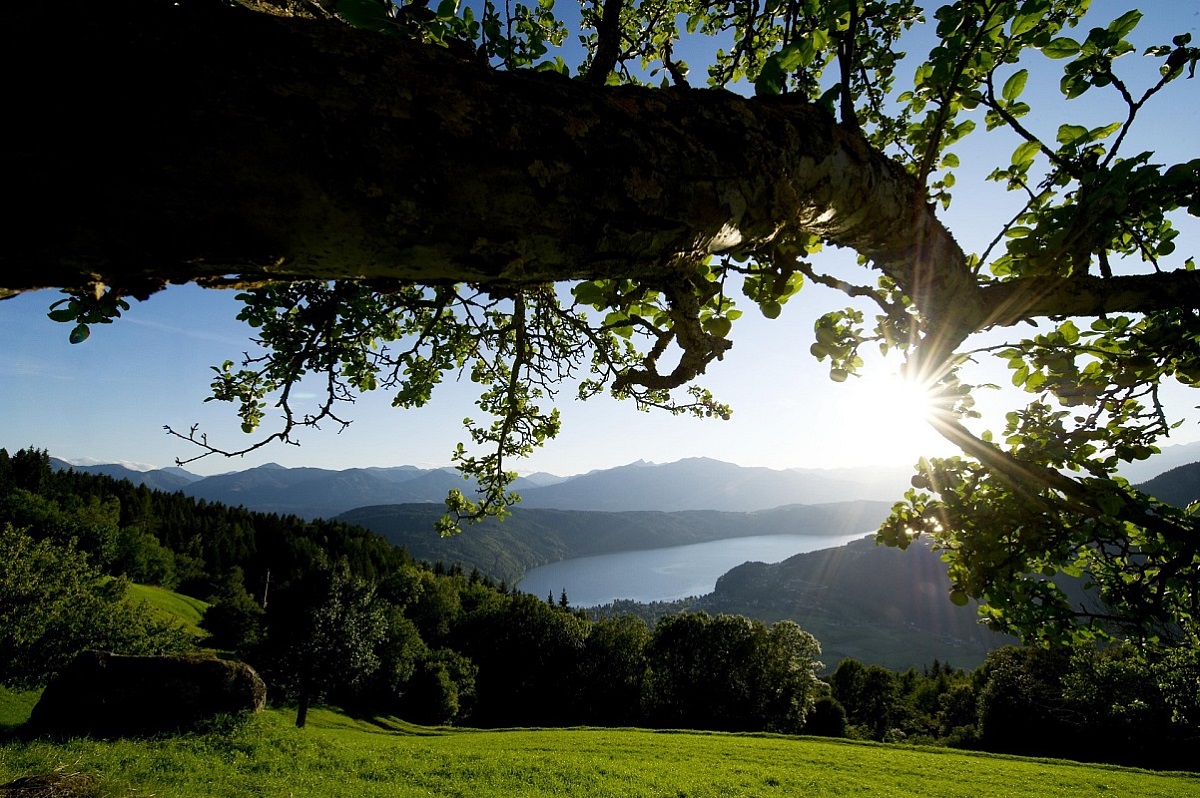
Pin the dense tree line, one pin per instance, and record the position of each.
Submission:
(327, 611)
(176, 541)
(453, 648)
(1116, 704)
(349, 620)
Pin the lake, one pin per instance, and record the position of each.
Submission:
(665, 574)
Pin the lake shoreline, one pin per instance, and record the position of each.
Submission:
(665, 574)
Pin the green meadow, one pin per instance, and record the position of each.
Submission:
(171, 606)
(341, 756)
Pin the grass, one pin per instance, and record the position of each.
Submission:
(15, 707)
(346, 757)
(171, 606)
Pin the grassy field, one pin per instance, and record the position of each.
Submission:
(15, 707)
(173, 606)
(340, 756)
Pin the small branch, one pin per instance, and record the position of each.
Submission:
(846, 53)
(678, 75)
(846, 288)
(608, 43)
(699, 348)
(1067, 166)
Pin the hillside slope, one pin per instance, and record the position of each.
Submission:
(873, 603)
(1179, 486)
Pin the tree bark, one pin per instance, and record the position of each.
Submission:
(162, 141)
(155, 141)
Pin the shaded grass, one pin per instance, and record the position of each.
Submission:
(15, 707)
(171, 606)
(342, 756)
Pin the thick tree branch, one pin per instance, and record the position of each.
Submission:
(1089, 295)
(204, 141)
(236, 142)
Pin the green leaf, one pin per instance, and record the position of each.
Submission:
(771, 309)
(589, 293)
(1104, 131)
(1073, 86)
(773, 76)
(1023, 23)
(1123, 25)
(1015, 85)
(368, 14)
(718, 327)
(1069, 332)
(1024, 154)
(1069, 134)
(63, 314)
(79, 334)
(1064, 47)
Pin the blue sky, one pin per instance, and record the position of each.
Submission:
(109, 398)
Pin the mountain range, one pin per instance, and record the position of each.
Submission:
(693, 484)
(1180, 486)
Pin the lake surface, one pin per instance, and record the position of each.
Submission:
(665, 574)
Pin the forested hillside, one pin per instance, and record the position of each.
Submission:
(864, 601)
(1180, 486)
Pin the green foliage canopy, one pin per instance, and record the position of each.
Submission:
(54, 604)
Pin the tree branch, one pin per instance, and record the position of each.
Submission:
(608, 43)
(308, 149)
(1012, 301)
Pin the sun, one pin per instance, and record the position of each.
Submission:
(884, 419)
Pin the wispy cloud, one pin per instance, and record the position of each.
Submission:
(132, 465)
(189, 332)
(22, 368)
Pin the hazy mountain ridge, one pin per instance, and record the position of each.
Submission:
(305, 492)
(872, 603)
(169, 480)
(1171, 457)
(693, 484)
(690, 484)
(706, 484)
(534, 536)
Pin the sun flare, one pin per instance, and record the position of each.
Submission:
(885, 420)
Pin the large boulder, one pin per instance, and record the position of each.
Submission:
(110, 695)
